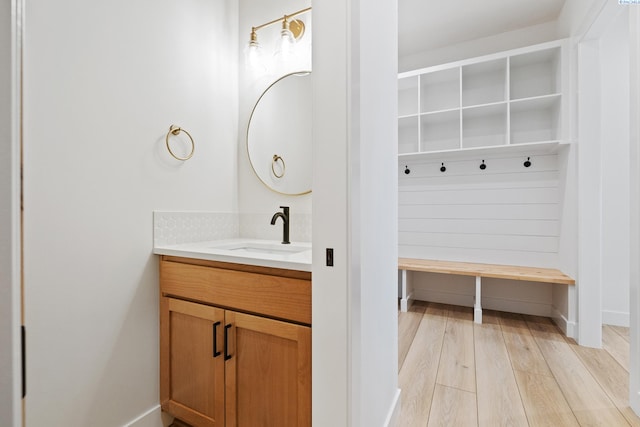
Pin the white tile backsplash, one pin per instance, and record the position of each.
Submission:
(170, 228)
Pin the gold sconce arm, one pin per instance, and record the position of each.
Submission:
(296, 26)
(285, 19)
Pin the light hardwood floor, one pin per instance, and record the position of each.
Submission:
(513, 370)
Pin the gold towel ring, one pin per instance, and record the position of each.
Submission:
(273, 163)
(175, 130)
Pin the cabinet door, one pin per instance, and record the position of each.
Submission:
(268, 373)
(191, 362)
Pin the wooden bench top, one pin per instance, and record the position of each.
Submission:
(534, 274)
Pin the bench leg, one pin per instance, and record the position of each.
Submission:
(405, 297)
(477, 308)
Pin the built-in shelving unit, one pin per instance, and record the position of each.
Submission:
(496, 101)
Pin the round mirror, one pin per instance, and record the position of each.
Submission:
(279, 135)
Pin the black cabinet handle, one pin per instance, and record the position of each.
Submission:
(216, 353)
(227, 356)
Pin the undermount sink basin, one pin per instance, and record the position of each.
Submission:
(262, 248)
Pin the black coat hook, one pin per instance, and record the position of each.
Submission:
(483, 166)
(442, 168)
(407, 171)
(527, 162)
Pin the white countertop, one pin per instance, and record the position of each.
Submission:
(264, 253)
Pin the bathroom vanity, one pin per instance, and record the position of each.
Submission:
(235, 341)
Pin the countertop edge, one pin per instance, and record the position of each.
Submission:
(179, 251)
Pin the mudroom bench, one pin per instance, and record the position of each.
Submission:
(498, 271)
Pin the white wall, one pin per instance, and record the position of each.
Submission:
(255, 198)
(103, 82)
(614, 112)
(330, 290)
(10, 380)
(374, 187)
(506, 214)
(564, 297)
(589, 197)
(355, 382)
(577, 15)
(500, 42)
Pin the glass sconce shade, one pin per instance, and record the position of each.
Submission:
(254, 56)
(285, 50)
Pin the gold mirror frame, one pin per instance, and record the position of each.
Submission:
(276, 156)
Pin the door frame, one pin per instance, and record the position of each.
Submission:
(634, 302)
(590, 334)
(11, 226)
(590, 171)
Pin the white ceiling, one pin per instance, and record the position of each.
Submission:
(431, 24)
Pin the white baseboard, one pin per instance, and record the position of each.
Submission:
(569, 328)
(615, 318)
(394, 412)
(154, 417)
(634, 402)
(405, 304)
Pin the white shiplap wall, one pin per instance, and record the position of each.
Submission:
(505, 214)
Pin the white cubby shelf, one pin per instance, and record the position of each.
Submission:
(494, 102)
(529, 149)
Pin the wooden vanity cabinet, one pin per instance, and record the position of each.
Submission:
(225, 358)
(192, 379)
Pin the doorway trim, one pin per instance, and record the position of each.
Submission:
(588, 44)
(10, 224)
(634, 302)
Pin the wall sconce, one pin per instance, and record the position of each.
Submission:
(292, 31)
